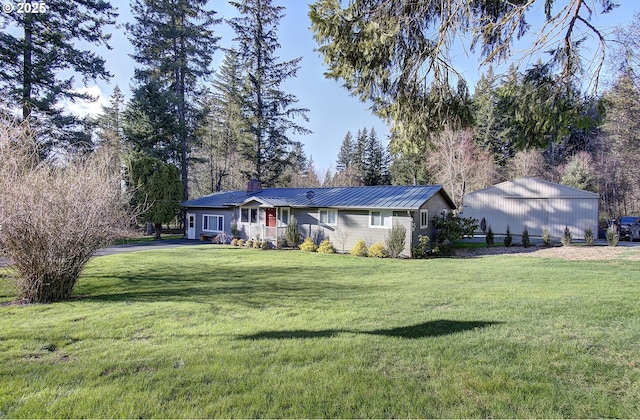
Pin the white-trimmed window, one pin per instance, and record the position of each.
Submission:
(213, 223)
(284, 215)
(328, 217)
(380, 219)
(424, 218)
(249, 215)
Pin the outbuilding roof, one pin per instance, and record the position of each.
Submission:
(374, 197)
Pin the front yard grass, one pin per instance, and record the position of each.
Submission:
(226, 332)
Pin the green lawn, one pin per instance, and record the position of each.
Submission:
(221, 332)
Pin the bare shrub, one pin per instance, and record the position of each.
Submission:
(53, 215)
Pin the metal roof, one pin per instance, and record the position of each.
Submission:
(375, 197)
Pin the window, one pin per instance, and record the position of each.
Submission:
(213, 223)
(379, 219)
(424, 219)
(284, 216)
(328, 217)
(249, 215)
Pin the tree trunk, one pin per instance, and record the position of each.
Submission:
(27, 67)
(158, 227)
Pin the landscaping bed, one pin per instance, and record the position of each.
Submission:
(573, 253)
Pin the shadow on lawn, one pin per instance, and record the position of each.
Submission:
(426, 329)
(248, 286)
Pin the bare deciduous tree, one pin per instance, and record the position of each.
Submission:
(54, 215)
(459, 164)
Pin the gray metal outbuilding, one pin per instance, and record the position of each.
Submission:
(534, 204)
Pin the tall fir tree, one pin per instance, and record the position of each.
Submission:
(174, 43)
(345, 155)
(270, 113)
(375, 167)
(216, 160)
(150, 123)
(41, 58)
(110, 129)
(489, 131)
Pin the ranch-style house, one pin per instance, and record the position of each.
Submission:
(342, 214)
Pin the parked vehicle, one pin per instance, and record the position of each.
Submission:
(629, 227)
(634, 232)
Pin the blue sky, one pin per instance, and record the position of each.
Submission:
(333, 112)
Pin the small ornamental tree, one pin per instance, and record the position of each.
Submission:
(54, 216)
(508, 239)
(588, 237)
(566, 237)
(612, 236)
(395, 240)
(489, 237)
(292, 234)
(526, 242)
(546, 238)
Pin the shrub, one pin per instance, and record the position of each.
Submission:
(451, 227)
(508, 240)
(326, 247)
(360, 249)
(240, 242)
(292, 234)
(546, 238)
(566, 237)
(612, 236)
(395, 240)
(234, 241)
(526, 242)
(257, 244)
(55, 215)
(422, 249)
(265, 245)
(378, 250)
(281, 243)
(249, 243)
(489, 237)
(588, 237)
(308, 245)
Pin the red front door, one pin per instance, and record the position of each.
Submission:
(271, 218)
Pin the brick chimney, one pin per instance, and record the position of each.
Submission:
(253, 186)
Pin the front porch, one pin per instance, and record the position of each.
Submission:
(259, 221)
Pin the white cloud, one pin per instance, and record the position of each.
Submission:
(83, 108)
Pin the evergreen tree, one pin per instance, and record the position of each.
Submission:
(489, 130)
(375, 169)
(216, 161)
(156, 188)
(110, 128)
(346, 153)
(41, 57)
(269, 111)
(174, 43)
(150, 123)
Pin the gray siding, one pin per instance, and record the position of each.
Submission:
(434, 206)
(536, 205)
(352, 225)
(199, 213)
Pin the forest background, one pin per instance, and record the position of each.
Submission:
(193, 113)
